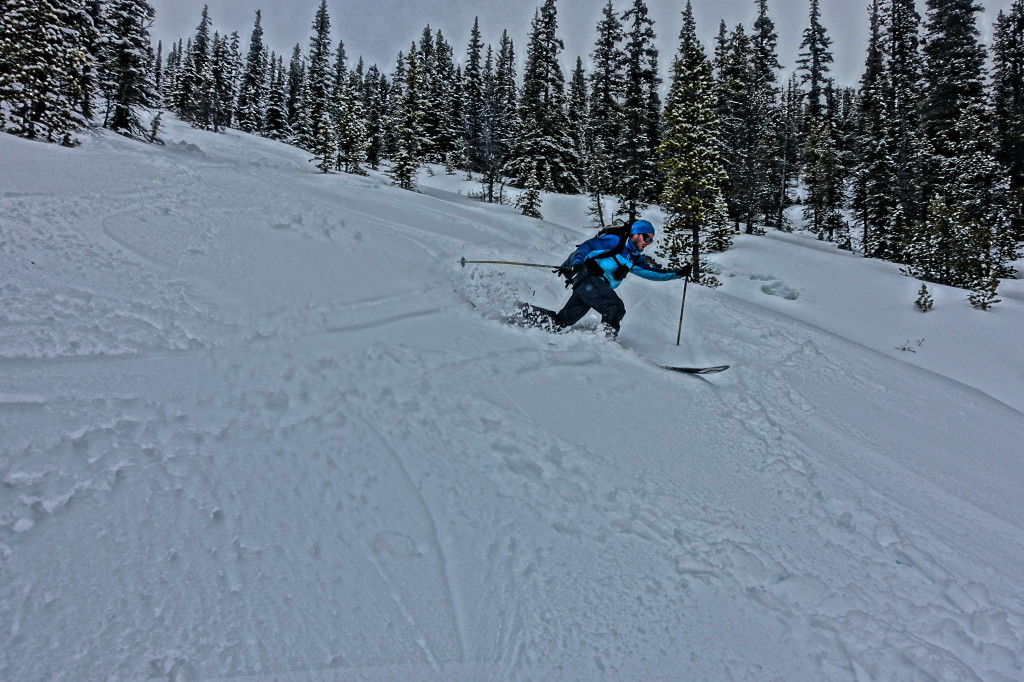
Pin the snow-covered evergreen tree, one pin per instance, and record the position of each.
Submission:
(350, 127)
(1008, 106)
(275, 125)
(638, 182)
(689, 154)
(737, 104)
(192, 95)
(954, 60)
(530, 201)
(607, 81)
(578, 117)
(298, 113)
(772, 138)
(408, 120)
(473, 99)
(376, 93)
(253, 94)
(813, 63)
(543, 144)
(127, 77)
(319, 85)
(41, 63)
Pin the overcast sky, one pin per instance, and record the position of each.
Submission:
(378, 29)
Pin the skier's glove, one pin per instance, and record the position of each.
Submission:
(565, 273)
(684, 271)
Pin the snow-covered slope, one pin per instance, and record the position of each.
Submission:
(258, 423)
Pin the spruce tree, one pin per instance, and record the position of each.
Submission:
(350, 127)
(192, 97)
(903, 135)
(1008, 106)
(473, 98)
(873, 173)
(296, 105)
(638, 182)
(772, 139)
(40, 70)
(607, 83)
(690, 154)
(543, 144)
(252, 96)
(578, 118)
(275, 124)
(319, 83)
(737, 104)
(376, 108)
(408, 120)
(954, 60)
(813, 63)
(126, 69)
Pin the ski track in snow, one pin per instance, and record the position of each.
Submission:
(385, 485)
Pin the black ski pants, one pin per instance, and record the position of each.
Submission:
(593, 292)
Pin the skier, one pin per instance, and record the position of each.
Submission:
(598, 266)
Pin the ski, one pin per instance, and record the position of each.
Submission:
(697, 370)
(529, 315)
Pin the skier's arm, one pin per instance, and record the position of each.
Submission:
(642, 268)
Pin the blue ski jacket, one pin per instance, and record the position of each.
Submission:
(614, 268)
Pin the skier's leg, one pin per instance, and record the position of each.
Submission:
(596, 293)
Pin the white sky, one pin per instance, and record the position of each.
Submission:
(378, 29)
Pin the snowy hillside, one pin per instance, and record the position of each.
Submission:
(258, 423)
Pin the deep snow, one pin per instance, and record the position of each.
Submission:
(258, 423)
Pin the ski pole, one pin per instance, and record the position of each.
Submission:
(508, 262)
(682, 308)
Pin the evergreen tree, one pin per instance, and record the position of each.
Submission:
(172, 68)
(192, 97)
(873, 173)
(543, 144)
(824, 175)
(126, 68)
(954, 60)
(276, 122)
(772, 138)
(788, 160)
(41, 64)
(224, 64)
(578, 115)
(473, 98)
(983, 293)
(319, 84)
(296, 102)
(408, 123)
(815, 56)
(903, 135)
(499, 119)
(252, 97)
(351, 130)
(376, 108)
(1008, 106)
(530, 201)
(924, 301)
(442, 127)
(607, 83)
(690, 154)
(638, 182)
(738, 104)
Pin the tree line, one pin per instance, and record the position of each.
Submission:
(921, 163)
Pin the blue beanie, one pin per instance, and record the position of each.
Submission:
(642, 227)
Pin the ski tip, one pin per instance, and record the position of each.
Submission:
(698, 370)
